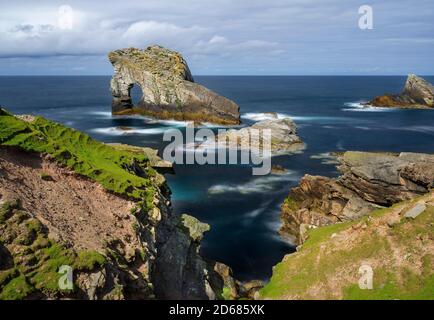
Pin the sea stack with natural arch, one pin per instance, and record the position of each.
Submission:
(169, 91)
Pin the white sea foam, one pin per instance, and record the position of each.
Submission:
(325, 158)
(274, 225)
(364, 128)
(116, 131)
(174, 123)
(259, 116)
(258, 185)
(254, 213)
(423, 129)
(420, 128)
(108, 115)
(361, 107)
(102, 114)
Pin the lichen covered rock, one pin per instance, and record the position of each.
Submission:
(168, 88)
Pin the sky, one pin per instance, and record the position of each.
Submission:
(220, 37)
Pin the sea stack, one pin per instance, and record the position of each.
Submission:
(169, 90)
(417, 93)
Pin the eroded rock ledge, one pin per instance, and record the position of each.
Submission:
(417, 93)
(168, 88)
(368, 181)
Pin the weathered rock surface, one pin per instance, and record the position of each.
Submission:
(368, 181)
(168, 88)
(283, 139)
(417, 93)
(330, 263)
(156, 162)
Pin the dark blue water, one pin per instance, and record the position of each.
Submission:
(243, 210)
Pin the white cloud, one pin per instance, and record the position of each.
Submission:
(218, 40)
(147, 32)
(279, 35)
(93, 36)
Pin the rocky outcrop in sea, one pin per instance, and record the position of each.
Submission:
(368, 181)
(283, 138)
(417, 93)
(101, 210)
(169, 91)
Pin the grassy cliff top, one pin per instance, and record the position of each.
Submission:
(115, 169)
(400, 251)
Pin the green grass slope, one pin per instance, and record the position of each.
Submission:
(400, 251)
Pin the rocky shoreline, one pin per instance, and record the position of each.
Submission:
(377, 215)
(417, 93)
(368, 181)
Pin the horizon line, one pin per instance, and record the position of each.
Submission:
(226, 75)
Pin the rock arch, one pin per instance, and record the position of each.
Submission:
(168, 88)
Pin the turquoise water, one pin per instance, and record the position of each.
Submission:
(243, 210)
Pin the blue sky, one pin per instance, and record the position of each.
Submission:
(237, 37)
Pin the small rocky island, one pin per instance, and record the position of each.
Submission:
(284, 138)
(169, 91)
(417, 93)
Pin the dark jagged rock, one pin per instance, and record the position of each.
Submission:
(417, 93)
(368, 181)
(168, 88)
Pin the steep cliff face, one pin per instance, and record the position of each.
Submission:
(168, 88)
(368, 181)
(67, 199)
(393, 245)
(417, 93)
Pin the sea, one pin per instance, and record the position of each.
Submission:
(243, 210)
